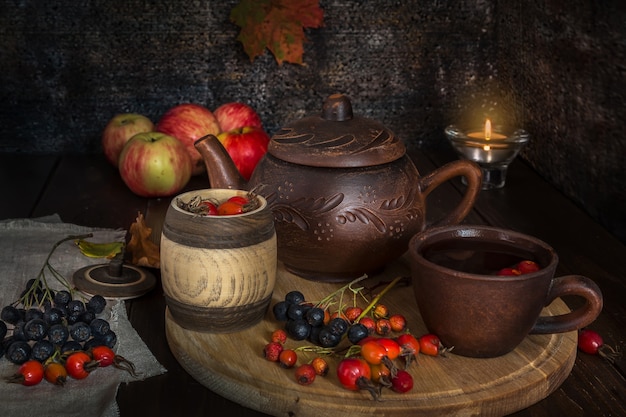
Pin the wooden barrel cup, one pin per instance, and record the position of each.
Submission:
(218, 272)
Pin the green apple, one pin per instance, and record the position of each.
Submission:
(154, 164)
(119, 130)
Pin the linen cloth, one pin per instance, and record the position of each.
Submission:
(24, 246)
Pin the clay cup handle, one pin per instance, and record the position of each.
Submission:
(472, 173)
(577, 319)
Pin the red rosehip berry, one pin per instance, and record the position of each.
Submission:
(288, 358)
(397, 322)
(279, 336)
(305, 374)
(272, 351)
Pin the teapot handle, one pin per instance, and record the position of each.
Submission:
(472, 173)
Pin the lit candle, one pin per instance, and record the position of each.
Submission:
(493, 151)
(487, 134)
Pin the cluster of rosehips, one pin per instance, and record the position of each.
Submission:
(76, 364)
(522, 267)
(237, 204)
(305, 373)
(376, 339)
(370, 365)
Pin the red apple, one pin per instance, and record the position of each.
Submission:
(119, 130)
(154, 164)
(235, 115)
(188, 123)
(246, 147)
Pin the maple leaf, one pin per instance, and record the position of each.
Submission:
(143, 250)
(277, 25)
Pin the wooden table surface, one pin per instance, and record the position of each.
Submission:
(86, 190)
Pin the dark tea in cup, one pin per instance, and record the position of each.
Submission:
(481, 258)
(466, 300)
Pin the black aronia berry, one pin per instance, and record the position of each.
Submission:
(42, 322)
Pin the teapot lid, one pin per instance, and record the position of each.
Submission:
(336, 138)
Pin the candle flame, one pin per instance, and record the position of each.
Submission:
(487, 133)
(487, 129)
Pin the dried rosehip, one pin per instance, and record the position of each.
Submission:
(272, 351)
(397, 322)
(320, 365)
(352, 313)
(369, 323)
(279, 336)
(380, 311)
(383, 327)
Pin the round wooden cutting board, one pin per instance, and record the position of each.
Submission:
(233, 366)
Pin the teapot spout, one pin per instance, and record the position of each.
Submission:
(220, 167)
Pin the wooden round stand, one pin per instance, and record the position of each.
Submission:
(233, 366)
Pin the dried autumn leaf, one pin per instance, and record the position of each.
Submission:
(277, 25)
(143, 250)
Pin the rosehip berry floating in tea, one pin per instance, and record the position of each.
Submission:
(509, 272)
(526, 267)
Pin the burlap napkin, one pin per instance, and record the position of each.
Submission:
(24, 245)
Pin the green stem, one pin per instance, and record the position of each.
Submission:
(377, 298)
(41, 276)
(326, 301)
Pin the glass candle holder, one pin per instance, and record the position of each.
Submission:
(493, 153)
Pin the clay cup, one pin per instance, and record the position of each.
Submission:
(479, 313)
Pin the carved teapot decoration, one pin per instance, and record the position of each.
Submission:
(346, 197)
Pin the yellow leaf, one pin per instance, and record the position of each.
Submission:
(99, 250)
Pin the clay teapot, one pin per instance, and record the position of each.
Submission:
(346, 197)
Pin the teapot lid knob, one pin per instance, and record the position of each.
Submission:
(337, 107)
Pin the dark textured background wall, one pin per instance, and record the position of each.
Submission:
(556, 68)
